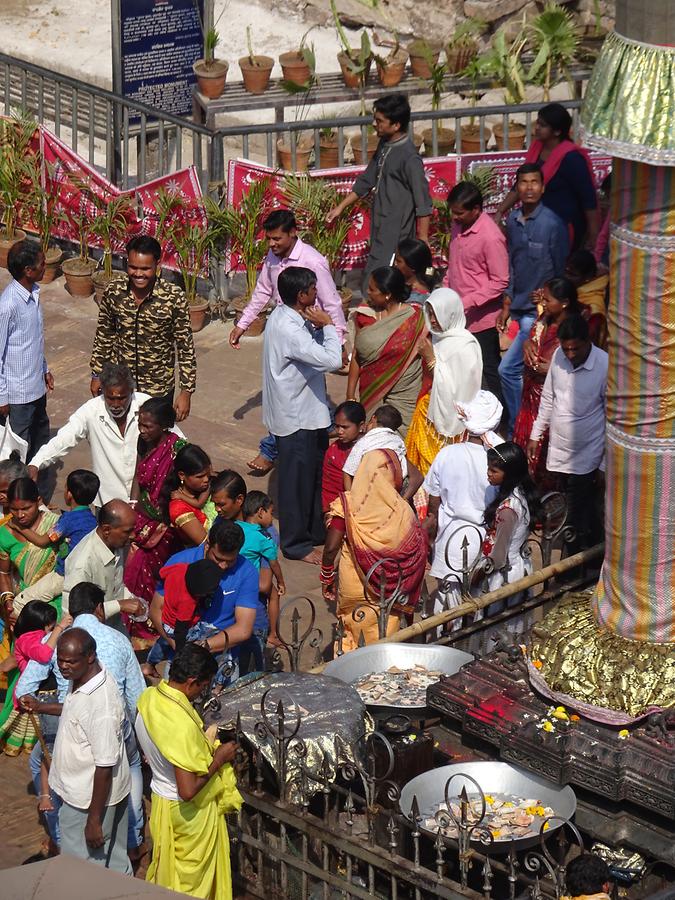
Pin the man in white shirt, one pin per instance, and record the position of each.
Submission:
(89, 769)
(110, 424)
(573, 408)
(98, 559)
(301, 345)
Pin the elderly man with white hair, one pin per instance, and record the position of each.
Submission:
(459, 491)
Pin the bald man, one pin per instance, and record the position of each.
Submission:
(99, 559)
(91, 775)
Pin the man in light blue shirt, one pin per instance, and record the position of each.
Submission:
(115, 653)
(24, 376)
(301, 345)
(538, 246)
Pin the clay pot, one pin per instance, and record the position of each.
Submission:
(302, 155)
(101, 282)
(329, 153)
(53, 259)
(419, 60)
(350, 78)
(391, 71)
(346, 298)
(79, 274)
(361, 158)
(458, 58)
(294, 67)
(199, 309)
(6, 244)
(515, 139)
(445, 138)
(256, 78)
(471, 138)
(211, 79)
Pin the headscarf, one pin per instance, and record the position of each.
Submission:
(481, 416)
(459, 362)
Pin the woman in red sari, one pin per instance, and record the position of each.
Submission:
(371, 523)
(386, 363)
(559, 297)
(568, 176)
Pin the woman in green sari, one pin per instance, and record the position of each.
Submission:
(21, 565)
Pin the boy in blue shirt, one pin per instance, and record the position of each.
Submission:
(261, 547)
(81, 490)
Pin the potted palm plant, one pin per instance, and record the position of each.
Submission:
(255, 70)
(193, 242)
(503, 63)
(423, 55)
(110, 225)
(554, 38)
(16, 169)
(463, 45)
(302, 143)
(354, 62)
(209, 71)
(328, 147)
(299, 66)
(79, 270)
(471, 133)
(45, 212)
(445, 137)
(241, 227)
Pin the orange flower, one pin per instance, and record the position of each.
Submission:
(574, 718)
(537, 663)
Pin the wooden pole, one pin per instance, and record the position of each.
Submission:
(41, 738)
(508, 590)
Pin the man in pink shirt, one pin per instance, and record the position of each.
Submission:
(479, 271)
(286, 249)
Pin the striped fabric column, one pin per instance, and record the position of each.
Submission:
(635, 597)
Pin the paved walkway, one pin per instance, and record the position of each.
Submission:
(225, 421)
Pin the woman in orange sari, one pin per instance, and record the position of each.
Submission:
(372, 524)
(386, 363)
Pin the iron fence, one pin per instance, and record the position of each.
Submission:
(131, 142)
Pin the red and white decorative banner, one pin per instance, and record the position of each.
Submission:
(82, 189)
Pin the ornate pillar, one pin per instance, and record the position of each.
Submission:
(614, 658)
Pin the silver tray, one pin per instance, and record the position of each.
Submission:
(380, 657)
(493, 778)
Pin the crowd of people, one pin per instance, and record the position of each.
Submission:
(445, 440)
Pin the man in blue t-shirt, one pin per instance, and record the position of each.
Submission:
(228, 620)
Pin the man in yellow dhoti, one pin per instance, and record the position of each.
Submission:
(193, 783)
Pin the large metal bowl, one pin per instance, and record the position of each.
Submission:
(380, 657)
(493, 778)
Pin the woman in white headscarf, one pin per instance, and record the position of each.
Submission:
(456, 367)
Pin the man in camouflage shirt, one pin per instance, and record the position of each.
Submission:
(144, 322)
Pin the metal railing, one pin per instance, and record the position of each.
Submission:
(132, 143)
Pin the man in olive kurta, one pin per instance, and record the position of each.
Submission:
(395, 176)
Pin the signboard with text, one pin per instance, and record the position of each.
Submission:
(159, 40)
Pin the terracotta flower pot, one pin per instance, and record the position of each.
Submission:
(471, 138)
(199, 309)
(256, 78)
(302, 155)
(101, 282)
(351, 79)
(458, 58)
(361, 158)
(79, 274)
(6, 244)
(445, 141)
(419, 59)
(53, 259)
(329, 153)
(346, 297)
(515, 139)
(294, 67)
(211, 78)
(391, 71)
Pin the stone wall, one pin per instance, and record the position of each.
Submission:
(437, 19)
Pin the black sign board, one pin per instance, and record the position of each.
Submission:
(158, 41)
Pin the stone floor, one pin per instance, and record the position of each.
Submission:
(225, 421)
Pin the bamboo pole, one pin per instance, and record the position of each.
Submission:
(508, 590)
